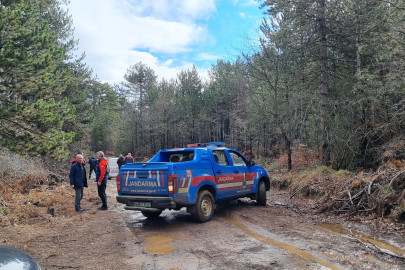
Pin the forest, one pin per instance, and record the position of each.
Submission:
(328, 75)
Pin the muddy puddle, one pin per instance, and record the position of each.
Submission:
(293, 250)
(359, 235)
(158, 244)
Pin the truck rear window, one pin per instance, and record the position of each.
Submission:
(173, 156)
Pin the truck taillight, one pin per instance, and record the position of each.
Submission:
(117, 179)
(172, 183)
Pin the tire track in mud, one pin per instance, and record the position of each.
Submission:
(295, 251)
(362, 237)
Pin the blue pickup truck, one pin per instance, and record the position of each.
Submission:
(194, 177)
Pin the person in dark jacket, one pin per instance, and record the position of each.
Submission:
(74, 160)
(120, 162)
(102, 172)
(128, 159)
(78, 180)
(93, 165)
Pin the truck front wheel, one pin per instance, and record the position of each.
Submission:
(151, 214)
(205, 206)
(261, 194)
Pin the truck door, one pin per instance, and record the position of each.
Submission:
(224, 174)
(243, 173)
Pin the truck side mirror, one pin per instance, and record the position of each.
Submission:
(251, 163)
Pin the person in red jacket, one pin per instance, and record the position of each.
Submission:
(128, 159)
(102, 171)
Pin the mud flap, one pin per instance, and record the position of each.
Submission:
(255, 196)
(192, 209)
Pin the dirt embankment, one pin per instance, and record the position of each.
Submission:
(376, 197)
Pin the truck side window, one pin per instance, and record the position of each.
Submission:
(220, 157)
(237, 159)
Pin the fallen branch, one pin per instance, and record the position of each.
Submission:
(379, 250)
(7, 183)
(344, 185)
(301, 188)
(386, 252)
(392, 180)
(11, 186)
(367, 210)
(375, 178)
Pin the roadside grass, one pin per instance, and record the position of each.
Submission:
(29, 193)
(39, 203)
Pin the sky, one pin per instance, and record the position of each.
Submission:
(167, 35)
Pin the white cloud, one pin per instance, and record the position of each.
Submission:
(117, 34)
(243, 15)
(246, 2)
(207, 56)
(178, 10)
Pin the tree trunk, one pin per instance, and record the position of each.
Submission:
(358, 56)
(289, 154)
(323, 86)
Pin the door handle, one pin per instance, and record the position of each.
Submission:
(236, 171)
(219, 171)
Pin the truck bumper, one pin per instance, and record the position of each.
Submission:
(157, 203)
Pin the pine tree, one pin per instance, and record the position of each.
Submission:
(30, 78)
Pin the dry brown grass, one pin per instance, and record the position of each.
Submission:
(381, 193)
(40, 203)
(30, 193)
(302, 158)
(15, 166)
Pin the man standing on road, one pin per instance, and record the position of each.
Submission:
(83, 160)
(93, 164)
(102, 172)
(78, 180)
(128, 159)
(120, 162)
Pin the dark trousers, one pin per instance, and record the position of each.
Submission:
(101, 193)
(91, 170)
(79, 197)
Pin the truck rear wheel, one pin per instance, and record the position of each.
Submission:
(149, 214)
(261, 194)
(205, 206)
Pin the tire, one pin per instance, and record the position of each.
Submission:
(205, 207)
(149, 214)
(261, 194)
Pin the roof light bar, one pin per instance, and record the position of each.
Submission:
(217, 144)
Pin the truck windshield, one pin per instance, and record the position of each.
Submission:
(173, 156)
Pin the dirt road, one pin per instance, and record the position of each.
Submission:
(241, 235)
(245, 236)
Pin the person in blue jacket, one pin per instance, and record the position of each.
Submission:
(78, 180)
(93, 165)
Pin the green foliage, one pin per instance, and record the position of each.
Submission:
(321, 171)
(326, 74)
(5, 211)
(385, 190)
(31, 77)
(106, 119)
